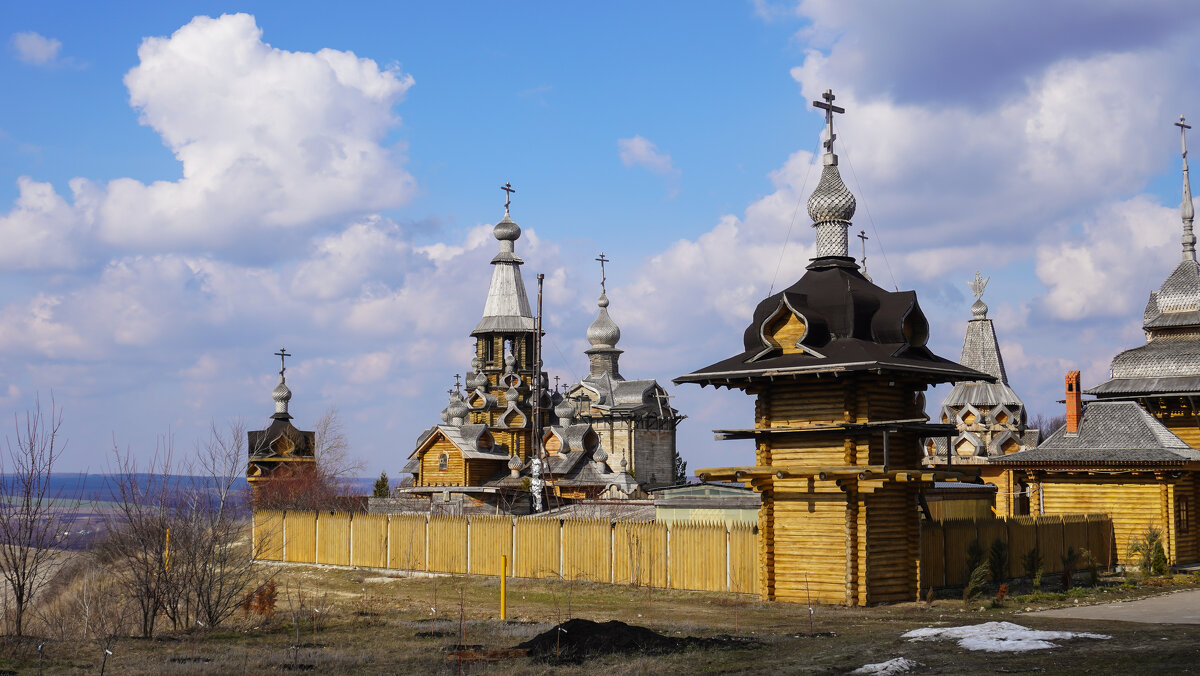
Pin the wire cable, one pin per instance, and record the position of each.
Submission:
(795, 213)
(867, 208)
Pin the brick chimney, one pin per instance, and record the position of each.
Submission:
(1074, 402)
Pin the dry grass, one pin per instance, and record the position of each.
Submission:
(378, 624)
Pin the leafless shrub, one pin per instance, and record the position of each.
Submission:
(179, 546)
(36, 519)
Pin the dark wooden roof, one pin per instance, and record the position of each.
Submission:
(852, 325)
(260, 441)
(1111, 433)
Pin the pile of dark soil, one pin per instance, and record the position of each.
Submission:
(575, 640)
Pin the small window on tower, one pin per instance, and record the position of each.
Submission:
(489, 350)
(444, 461)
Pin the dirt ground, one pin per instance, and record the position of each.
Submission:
(346, 621)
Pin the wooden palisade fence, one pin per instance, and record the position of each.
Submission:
(702, 556)
(944, 544)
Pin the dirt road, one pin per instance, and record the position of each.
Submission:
(1182, 607)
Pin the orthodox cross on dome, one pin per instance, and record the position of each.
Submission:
(862, 235)
(508, 190)
(556, 383)
(282, 354)
(603, 259)
(1185, 208)
(829, 109)
(1183, 127)
(456, 385)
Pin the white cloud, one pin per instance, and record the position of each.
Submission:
(1109, 268)
(41, 230)
(269, 140)
(35, 49)
(638, 151)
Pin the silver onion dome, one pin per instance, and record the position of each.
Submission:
(565, 411)
(514, 463)
(458, 409)
(506, 230)
(832, 200)
(282, 395)
(603, 331)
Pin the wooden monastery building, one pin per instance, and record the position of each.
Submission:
(509, 444)
(838, 367)
(988, 417)
(1131, 452)
(632, 417)
(280, 452)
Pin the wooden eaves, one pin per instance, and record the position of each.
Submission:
(828, 473)
(908, 424)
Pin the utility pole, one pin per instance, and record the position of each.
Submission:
(535, 441)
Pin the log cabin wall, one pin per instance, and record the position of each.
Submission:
(837, 542)
(1186, 493)
(892, 544)
(809, 542)
(431, 472)
(1142, 504)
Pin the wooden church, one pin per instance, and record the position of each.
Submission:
(508, 444)
(838, 367)
(1132, 451)
(281, 451)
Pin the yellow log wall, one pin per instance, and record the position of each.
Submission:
(1133, 506)
(891, 545)
(453, 475)
(810, 544)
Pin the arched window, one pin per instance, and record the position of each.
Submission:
(444, 461)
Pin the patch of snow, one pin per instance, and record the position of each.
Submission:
(998, 636)
(895, 666)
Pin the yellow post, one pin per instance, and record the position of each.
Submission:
(167, 551)
(504, 586)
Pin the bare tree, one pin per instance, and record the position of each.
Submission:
(1047, 424)
(136, 545)
(223, 557)
(179, 542)
(36, 518)
(332, 449)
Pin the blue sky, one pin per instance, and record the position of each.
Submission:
(184, 189)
